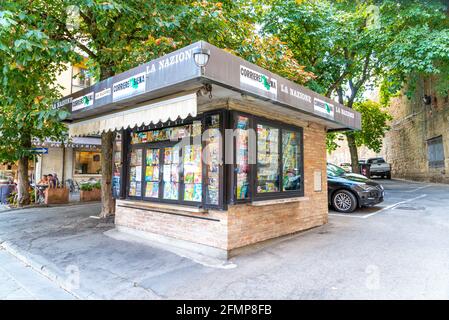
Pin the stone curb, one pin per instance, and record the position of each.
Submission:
(419, 181)
(45, 268)
(79, 203)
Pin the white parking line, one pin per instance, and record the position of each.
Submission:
(419, 188)
(381, 210)
(348, 215)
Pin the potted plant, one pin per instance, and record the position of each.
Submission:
(90, 191)
(56, 195)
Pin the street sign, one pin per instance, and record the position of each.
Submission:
(40, 150)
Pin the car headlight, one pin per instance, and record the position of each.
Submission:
(364, 187)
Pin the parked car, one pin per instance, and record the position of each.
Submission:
(346, 166)
(349, 191)
(379, 167)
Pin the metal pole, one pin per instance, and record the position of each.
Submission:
(35, 184)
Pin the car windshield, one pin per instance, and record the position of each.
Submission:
(334, 171)
(377, 160)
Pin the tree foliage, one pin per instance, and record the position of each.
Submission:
(30, 61)
(115, 36)
(352, 46)
(375, 119)
(274, 55)
(119, 35)
(417, 34)
(374, 125)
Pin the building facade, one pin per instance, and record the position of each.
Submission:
(77, 159)
(417, 145)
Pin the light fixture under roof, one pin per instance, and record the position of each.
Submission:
(201, 56)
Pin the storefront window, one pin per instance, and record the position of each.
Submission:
(171, 173)
(168, 173)
(291, 160)
(87, 162)
(241, 163)
(135, 173)
(173, 133)
(213, 158)
(152, 176)
(267, 159)
(164, 167)
(192, 173)
(116, 174)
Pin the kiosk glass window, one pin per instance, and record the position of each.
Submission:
(117, 166)
(192, 173)
(165, 165)
(152, 176)
(135, 173)
(241, 157)
(267, 159)
(278, 172)
(170, 174)
(291, 160)
(213, 160)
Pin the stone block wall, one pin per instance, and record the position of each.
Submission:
(414, 123)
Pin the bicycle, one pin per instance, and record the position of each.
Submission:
(40, 193)
(72, 185)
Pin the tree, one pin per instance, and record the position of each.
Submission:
(119, 35)
(272, 54)
(30, 60)
(374, 125)
(353, 45)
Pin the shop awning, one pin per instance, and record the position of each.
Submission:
(76, 142)
(161, 111)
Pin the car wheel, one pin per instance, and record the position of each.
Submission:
(344, 201)
(389, 175)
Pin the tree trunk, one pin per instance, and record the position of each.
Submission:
(354, 153)
(107, 200)
(107, 142)
(23, 186)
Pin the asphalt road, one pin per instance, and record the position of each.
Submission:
(398, 250)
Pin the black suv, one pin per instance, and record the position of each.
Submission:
(347, 191)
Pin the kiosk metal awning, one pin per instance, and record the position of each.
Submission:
(162, 111)
(108, 104)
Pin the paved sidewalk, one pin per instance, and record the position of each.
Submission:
(19, 281)
(400, 252)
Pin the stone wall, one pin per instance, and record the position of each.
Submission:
(414, 123)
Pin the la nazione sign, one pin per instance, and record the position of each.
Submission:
(177, 71)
